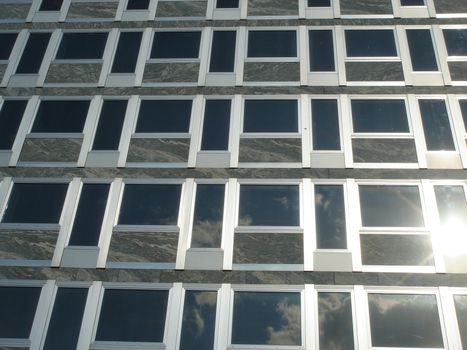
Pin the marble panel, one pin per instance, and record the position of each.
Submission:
(271, 71)
(27, 245)
(374, 71)
(384, 151)
(181, 9)
(158, 150)
(270, 150)
(50, 150)
(450, 6)
(268, 248)
(74, 73)
(92, 10)
(458, 70)
(367, 7)
(143, 247)
(170, 72)
(272, 8)
(14, 11)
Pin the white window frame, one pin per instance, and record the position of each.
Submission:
(320, 78)
(307, 12)
(444, 57)
(419, 11)
(123, 14)
(295, 58)
(450, 315)
(35, 15)
(460, 130)
(226, 13)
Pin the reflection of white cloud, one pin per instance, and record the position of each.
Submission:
(245, 220)
(333, 308)
(206, 298)
(199, 322)
(203, 299)
(283, 202)
(290, 331)
(321, 202)
(207, 233)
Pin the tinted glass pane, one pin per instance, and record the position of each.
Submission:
(391, 206)
(452, 207)
(66, 318)
(127, 52)
(199, 321)
(227, 4)
(35, 203)
(51, 5)
(406, 321)
(7, 41)
(132, 315)
(11, 114)
(321, 51)
(89, 215)
(463, 105)
(325, 120)
(164, 116)
(216, 125)
(266, 318)
(272, 43)
(82, 46)
(33, 53)
(412, 2)
(109, 128)
(435, 120)
(137, 5)
(330, 217)
(370, 43)
(266, 205)
(319, 3)
(207, 219)
(270, 116)
(379, 116)
(461, 311)
(335, 321)
(456, 41)
(18, 305)
(61, 116)
(176, 45)
(422, 52)
(223, 51)
(150, 205)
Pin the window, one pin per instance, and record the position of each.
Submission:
(370, 43)
(61, 116)
(51, 5)
(463, 106)
(452, 205)
(164, 116)
(7, 41)
(325, 125)
(379, 116)
(11, 113)
(270, 116)
(319, 3)
(127, 52)
(109, 128)
(321, 50)
(176, 45)
(223, 51)
(412, 3)
(436, 125)
(227, 4)
(216, 125)
(81, 46)
(422, 51)
(272, 43)
(33, 53)
(456, 41)
(137, 4)
(460, 302)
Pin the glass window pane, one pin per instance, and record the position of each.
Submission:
(270, 116)
(272, 43)
(82, 46)
(404, 321)
(330, 217)
(207, 219)
(127, 52)
(435, 120)
(321, 45)
(412, 3)
(18, 305)
(379, 116)
(452, 206)
(164, 116)
(223, 51)
(137, 5)
(7, 41)
(422, 51)
(461, 311)
(463, 105)
(269, 205)
(335, 321)
(176, 45)
(227, 4)
(51, 5)
(456, 41)
(370, 43)
(37, 203)
(325, 120)
(66, 319)
(390, 206)
(109, 128)
(61, 116)
(150, 204)
(263, 318)
(11, 114)
(216, 125)
(33, 53)
(199, 321)
(89, 215)
(319, 3)
(132, 315)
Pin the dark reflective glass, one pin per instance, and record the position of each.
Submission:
(422, 51)
(463, 105)
(11, 114)
(61, 116)
(412, 2)
(164, 116)
(456, 41)
(330, 217)
(176, 45)
(321, 51)
(335, 321)
(132, 315)
(18, 307)
(89, 215)
(435, 120)
(150, 204)
(319, 3)
(379, 116)
(263, 318)
(390, 206)
(127, 52)
(51, 5)
(109, 128)
(66, 319)
(227, 4)
(272, 43)
(82, 46)
(199, 321)
(223, 51)
(137, 5)
(325, 121)
(370, 43)
(270, 116)
(33, 53)
(269, 205)
(7, 41)
(35, 203)
(207, 219)
(216, 125)
(452, 206)
(461, 310)
(404, 321)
